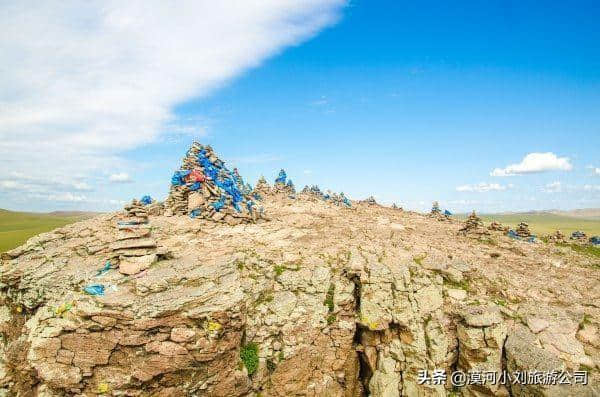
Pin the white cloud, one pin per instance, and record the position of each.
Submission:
(67, 197)
(81, 82)
(82, 186)
(307, 172)
(595, 170)
(553, 187)
(591, 188)
(535, 163)
(121, 177)
(483, 187)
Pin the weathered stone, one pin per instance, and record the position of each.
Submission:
(182, 334)
(481, 316)
(135, 264)
(133, 243)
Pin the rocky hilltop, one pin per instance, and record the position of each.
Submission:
(309, 299)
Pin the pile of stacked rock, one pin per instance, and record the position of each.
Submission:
(557, 237)
(283, 185)
(578, 236)
(395, 207)
(338, 199)
(134, 249)
(523, 230)
(313, 191)
(474, 225)
(262, 188)
(369, 201)
(436, 212)
(205, 188)
(498, 227)
(135, 214)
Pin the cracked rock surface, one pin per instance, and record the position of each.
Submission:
(320, 301)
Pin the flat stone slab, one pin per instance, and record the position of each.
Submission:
(481, 316)
(136, 264)
(133, 243)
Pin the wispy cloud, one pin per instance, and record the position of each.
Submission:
(121, 177)
(595, 170)
(553, 187)
(87, 81)
(535, 163)
(483, 187)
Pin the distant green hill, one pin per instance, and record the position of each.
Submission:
(17, 227)
(542, 223)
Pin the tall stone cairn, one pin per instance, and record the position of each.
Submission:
(369, 201)
(523, 230)
(262, 187)
(557, 237)
(134, 249)
(204, 188)
(474, 225)
(437, 213)
(313, 192)
(497, 227)
(282, 185)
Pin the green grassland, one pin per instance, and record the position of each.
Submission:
(545, 223)
(17, 227)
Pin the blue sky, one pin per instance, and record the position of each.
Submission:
(408, 102)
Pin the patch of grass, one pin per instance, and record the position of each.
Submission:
(500, 302)
(331, 319)
(279, 269)
(17, 227)
(249, 356)
(464, 284)
(329, 298)
(489, 241)
(271, 365)
(586, 320)
(239, 264)
(264, 297)
(418, 259)
(588, 250)
(280, 356)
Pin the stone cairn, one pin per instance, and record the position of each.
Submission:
(369, 201)
(204, 188)
(338, 199)
(523, 230)
(578, 236)
(262, 188)
(474, 225)
(557, 237)
(498, 227)
(283, 185)
(134, 249)
(396, 207)
(437, 213)
(313, 192)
